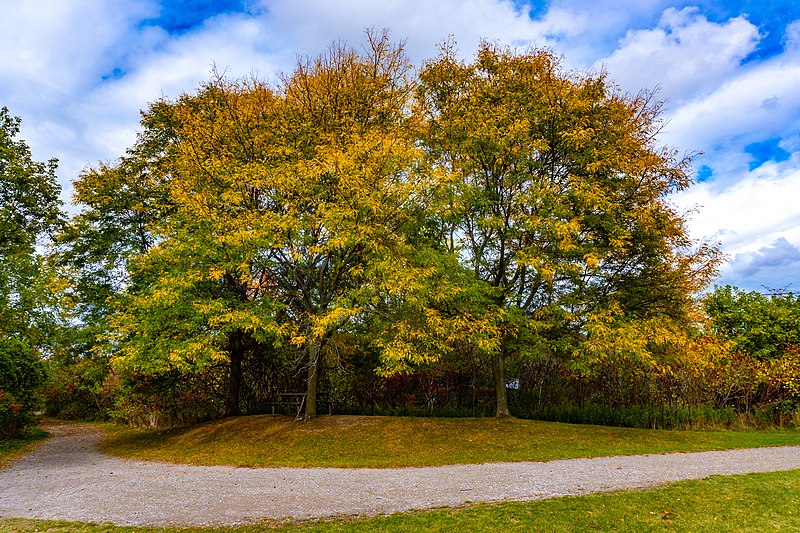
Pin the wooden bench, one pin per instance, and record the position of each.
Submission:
(297, 399)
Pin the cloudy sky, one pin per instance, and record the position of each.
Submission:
(79, 71)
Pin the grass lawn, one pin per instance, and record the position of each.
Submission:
(357, 441)
(749, 503)
(11, 449)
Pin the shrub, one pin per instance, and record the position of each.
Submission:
(168, 399)
(13, 416)
(78, 391)
(21, 375)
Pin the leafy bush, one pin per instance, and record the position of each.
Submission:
(79, 391)
(13, 416)
(168, 399)
(20, 376)
(784, 373)
(764, 326)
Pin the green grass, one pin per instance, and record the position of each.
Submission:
(749, 503)
(355, 441)
(12, 449)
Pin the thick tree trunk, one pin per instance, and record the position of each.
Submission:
(311, 383)
(499, 377)
(235, 384)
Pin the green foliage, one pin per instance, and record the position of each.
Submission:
(13, 416)
(167, 399)
(79, 390)
(93, 255)
(21, 374)
(29, 203)
(29, 210)
(764, 326)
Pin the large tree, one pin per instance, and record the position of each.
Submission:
(292, 211)
(29, 211)
(560, 203)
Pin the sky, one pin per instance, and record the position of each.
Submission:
(78, 73)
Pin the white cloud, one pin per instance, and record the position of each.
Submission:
(305, 26)
(685, 54)
(53, 48)
(751, 213)
(773, 267)
(791, 37)
(589, 30)
(175, 66)
(55, 53)
(761, 102)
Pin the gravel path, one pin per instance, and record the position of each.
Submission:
(67, 478)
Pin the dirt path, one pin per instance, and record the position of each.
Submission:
(67, 478)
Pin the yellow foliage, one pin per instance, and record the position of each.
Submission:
(785, 372)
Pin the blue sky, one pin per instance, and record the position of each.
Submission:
(78, 72)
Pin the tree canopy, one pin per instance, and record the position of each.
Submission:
(358, 213)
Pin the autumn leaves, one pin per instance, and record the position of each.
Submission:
(502, 204)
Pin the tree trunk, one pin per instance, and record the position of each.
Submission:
(311, 383)
(235, 384)
(499, 377)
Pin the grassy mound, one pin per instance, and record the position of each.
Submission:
(359, 441)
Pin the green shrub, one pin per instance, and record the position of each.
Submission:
(79, 391)
(14, 418)
(21, 375)
(168, 399)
